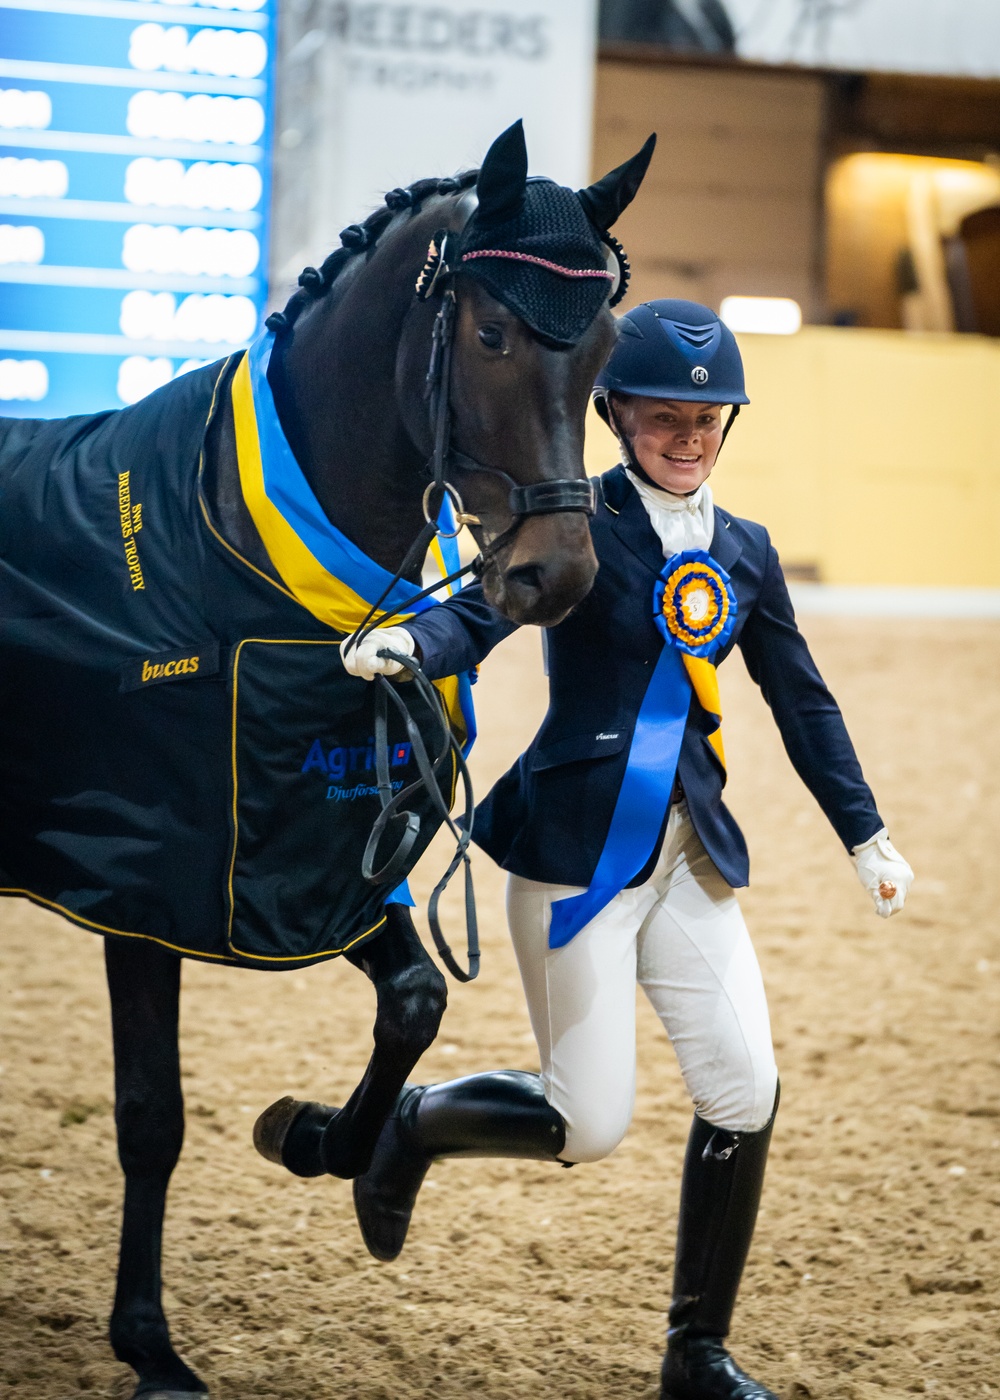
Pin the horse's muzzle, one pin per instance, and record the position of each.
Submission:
(548, 570)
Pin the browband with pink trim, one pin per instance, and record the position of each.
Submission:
(538, 262)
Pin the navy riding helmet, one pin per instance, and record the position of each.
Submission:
(673, 349)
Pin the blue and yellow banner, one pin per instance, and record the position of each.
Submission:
(323, 570)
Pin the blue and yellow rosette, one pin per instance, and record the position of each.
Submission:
(694, 607)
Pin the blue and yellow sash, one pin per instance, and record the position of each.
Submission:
(320, 566)
(695, 609)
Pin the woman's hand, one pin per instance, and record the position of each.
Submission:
(884, 873)
(363, 660)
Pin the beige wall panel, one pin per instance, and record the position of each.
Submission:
(654, 281)
(725, 226)
(780, 281)
(653, 278)
(744, 161)
(730, 204)
(702, 98)
(741, 158)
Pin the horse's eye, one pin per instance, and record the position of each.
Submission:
(491, 337)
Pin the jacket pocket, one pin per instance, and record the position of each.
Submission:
(576, 748)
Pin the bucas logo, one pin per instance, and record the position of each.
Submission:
(171, 666)
(440, 30)
(166, 670)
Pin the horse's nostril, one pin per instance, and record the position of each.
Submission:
(527, 576)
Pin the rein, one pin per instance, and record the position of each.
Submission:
(394, 808)
(537, 498)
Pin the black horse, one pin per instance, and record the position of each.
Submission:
(348, 375)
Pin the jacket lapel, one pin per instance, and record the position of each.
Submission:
(631, 525)
(725, 548)
(630, 521)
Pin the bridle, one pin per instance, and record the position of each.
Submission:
(570, 494)
(524, 501)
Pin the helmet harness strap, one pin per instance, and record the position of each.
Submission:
(626, 443)
(729, 423)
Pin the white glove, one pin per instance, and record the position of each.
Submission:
(884, 873)
(363, 660)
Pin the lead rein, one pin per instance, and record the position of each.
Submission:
(393, 807)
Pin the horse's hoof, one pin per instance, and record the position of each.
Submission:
(290, 1133)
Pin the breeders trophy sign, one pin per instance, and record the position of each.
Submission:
(375, 95)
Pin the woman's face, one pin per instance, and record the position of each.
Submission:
(675, 443)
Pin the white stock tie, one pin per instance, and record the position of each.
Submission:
(682, 522)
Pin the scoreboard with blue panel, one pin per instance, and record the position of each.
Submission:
(135, 144)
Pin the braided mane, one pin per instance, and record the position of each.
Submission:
(315, 282)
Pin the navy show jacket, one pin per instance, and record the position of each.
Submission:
(548, 816)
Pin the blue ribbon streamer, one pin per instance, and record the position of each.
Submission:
(642, 800)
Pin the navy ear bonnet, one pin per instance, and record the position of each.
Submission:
(540, 248)
(675, 349)
(546, 263)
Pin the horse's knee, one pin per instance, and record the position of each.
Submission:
(411, 1004)
(150, 1134)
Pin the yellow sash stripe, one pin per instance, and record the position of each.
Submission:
(705, 683)
(327, 598)
(438, 557)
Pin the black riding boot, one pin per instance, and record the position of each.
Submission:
(502, 1114)
(720, 1192)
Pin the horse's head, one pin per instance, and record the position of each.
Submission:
(512, 280)
(527, 265)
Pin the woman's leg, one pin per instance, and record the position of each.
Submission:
(581, 1000)
(697, 966)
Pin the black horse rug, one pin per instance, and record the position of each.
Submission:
(183, 756)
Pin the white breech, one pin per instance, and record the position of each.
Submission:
(681, 935)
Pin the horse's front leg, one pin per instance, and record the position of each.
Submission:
(145, 983)
(310, 1138)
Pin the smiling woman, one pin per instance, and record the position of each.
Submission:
(674, 443)
(623, 859)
